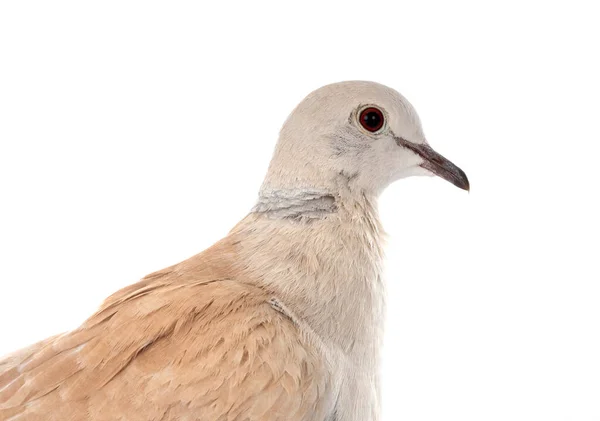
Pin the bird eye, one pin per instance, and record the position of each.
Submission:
(371, 119)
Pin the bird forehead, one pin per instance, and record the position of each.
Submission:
(340, 99)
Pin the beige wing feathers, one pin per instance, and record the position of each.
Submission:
(184, 343)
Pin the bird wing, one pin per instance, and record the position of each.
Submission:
(178, 345)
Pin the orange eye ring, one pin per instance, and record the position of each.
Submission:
(372, 119)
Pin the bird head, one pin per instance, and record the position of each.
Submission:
(360, 133)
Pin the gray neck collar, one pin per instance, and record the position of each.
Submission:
(295, 204)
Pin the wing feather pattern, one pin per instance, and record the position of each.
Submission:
(186, 343)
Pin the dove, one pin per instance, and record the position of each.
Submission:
(280, 320)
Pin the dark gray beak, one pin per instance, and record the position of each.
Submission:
(436, 163)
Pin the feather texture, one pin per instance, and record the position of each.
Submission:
(190, 342)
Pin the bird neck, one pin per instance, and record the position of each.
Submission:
(321, 254)
(295, 204)
(339, 195)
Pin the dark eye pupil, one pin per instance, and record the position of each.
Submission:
(372, 119)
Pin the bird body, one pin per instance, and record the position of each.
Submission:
(280, 320)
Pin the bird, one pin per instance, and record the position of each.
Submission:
(282, 319)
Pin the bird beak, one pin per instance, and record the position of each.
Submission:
(436, 163)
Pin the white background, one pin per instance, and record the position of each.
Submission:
(135, 134)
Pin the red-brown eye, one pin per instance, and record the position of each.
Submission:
(371, 119)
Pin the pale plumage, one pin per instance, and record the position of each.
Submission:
(280, 320)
